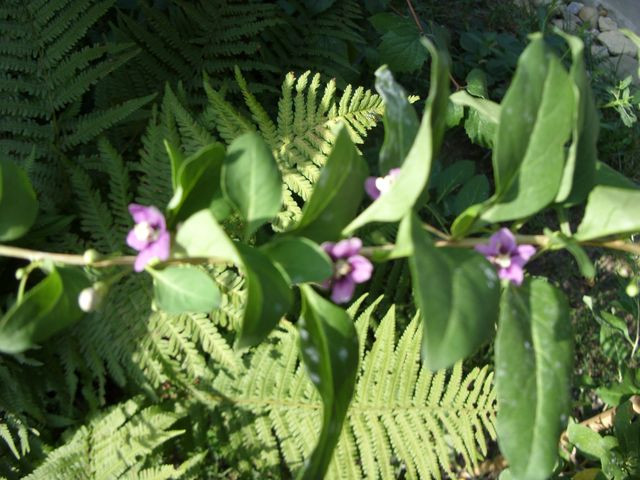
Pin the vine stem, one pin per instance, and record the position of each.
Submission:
(80, 260)
(445, 241)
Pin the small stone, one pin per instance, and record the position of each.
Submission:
(599, 51)
(607, 24)
(558, 23)
(589, 15)
(625, 66)
(571, 22)
(617, 43)
(575, 7)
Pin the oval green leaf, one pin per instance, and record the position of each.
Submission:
(329, 350)
(301, 259)
(18, 203)
(414, 173)
(534, 358)
(400, 121)
(251, 180)
(535, 123)
(184, 289)
(198, 184)
(268, 297)
(202, 236)
(47, 308)
(457, 292)
(337, 193)
(610, 211)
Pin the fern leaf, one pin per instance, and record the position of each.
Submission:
(400, 410)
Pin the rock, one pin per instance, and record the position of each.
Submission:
(589, 15)
(617, 43)
(571, 22)
(607, 24)
(625, 66)
(599, 51)
(558, 23)
(575, 7)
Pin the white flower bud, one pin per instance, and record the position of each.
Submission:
(91, 298)
(91, 256)
(632, 289)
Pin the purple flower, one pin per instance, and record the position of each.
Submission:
(376, 186)
(349, 268)
(149, 236)
(507, 255)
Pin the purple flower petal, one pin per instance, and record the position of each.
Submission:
(513, 273)
(394, 172)
(503, 241)
(343, 289)
(525, 252)
(370, 188)
(361, 268)
(487, 250)
(159, 249)
(346, 248)
(134, 242)
(328, 249)
(151, 215)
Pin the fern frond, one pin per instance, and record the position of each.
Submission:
(48, 70)
(112, 445)
(302, 137)
(400, 410)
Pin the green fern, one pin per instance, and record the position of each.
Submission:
(181, 40)
(46, 72)
(114, 444)
(301, 137)
(401, 412)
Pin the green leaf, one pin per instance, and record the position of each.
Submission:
(414, 174)
(535, 124)
(47, 308)
(400, 46)
(457, 292)
(609, 177)
(329, 350)
(251, 180)
(477, 83)
(617, 324)
(18, 203)
(533, 376)
(453, 176)
(559, 240)
(400, 121)
(476, 190)
(337, 193)
(580, 168)
(201, 236)
(176, 160)
(486, 108)
(198, 182)
(302, 260)
(184, 289)
(482, 120)
(610, 211)
(586, 440)
(268, 297)
(317, 6)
